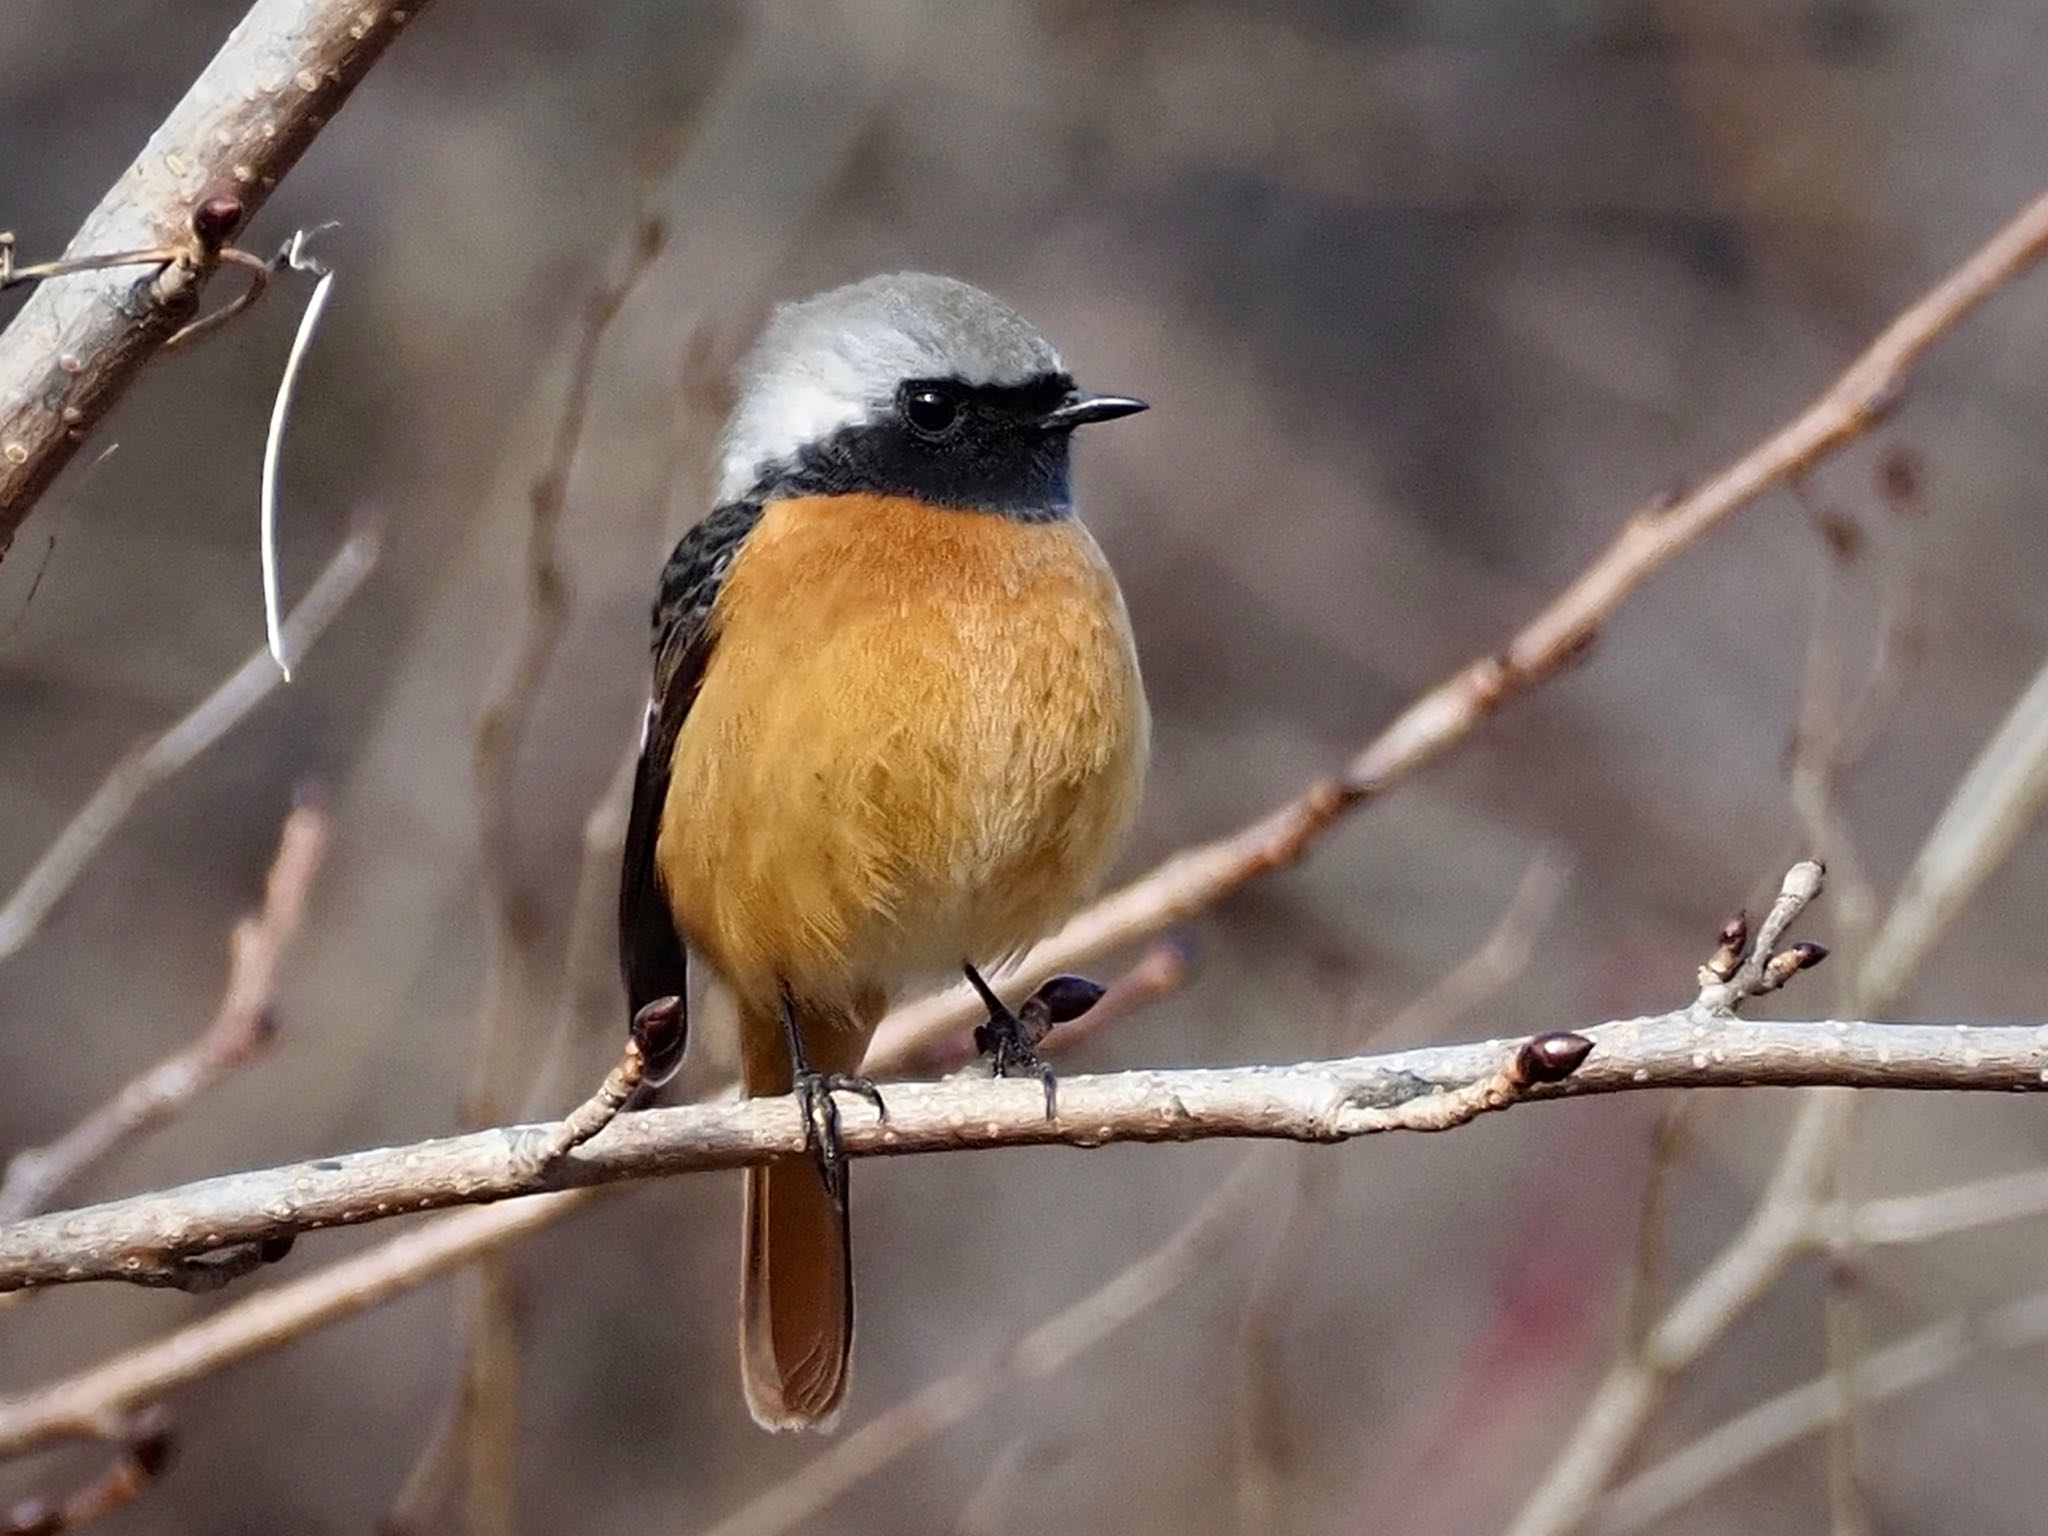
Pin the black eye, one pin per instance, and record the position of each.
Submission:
(931, 409)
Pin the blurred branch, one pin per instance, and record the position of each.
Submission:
(502, 724)
(1998, 797)
(489, 1398)
(1199, 877)
(1662, 1490)
(242, 1027)
(144, 1451)
(163, 757)
(91, 1404)
(1264, 1449)
(80, 340)
(798, 1496)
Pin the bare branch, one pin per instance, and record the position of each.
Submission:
(145, 1449)
(489, 1400)
(81, 340)
(1659, 1492)
(90, 1404)
(242, 1027)
(1437, 1088)
(165, 756)
(1197, 878)
(1990, 807)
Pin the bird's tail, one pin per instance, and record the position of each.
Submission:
(796, 1265)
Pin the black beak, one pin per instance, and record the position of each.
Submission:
(1081, 408)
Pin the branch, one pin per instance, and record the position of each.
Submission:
(166, 755)
(1661, 1491)
(1180, 888)
(146, 1238)
(145, 1449)
(81, 340)
(1441, 719)
(242, 1026)
(1997, 797)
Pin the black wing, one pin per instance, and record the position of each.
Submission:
(650, 951)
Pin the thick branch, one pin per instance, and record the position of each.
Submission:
(81, 340)
(148, 1238)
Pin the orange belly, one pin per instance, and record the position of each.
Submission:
(919, 741)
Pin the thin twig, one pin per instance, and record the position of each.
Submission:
(1662, 1490)
(502, 723)
(164, 756)
(293, 256)
(144, 1450)
(1995, 801)
(243, 1025)
(489, 1398)
(79, 342)
(1260, 1422)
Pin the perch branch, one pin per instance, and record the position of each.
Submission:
(148, 1238)
(80, 340)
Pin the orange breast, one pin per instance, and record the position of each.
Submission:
(919, 741)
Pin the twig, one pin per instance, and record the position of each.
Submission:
(1197, 878)
(1660, 1491)
(489, 1399)
(501, 725)
(1502, 956)
(78, 343)
(243, 1025)
(145, 1451)
(1821, 1404)
(163, 757)
(1977, 829)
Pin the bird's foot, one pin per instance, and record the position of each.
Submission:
(813, 1091)
(1010, 1040)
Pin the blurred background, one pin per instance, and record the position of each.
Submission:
(1426, 298)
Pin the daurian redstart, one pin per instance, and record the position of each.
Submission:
(897, 731)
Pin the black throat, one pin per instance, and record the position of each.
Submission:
(998, 457)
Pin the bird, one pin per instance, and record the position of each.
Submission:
(897, 731)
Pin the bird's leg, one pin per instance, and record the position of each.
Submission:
(1010, 1040)
(813, 1091)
